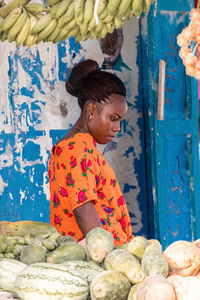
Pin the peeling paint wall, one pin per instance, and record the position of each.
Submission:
(36, 111)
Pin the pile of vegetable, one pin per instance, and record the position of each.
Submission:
(36, 262)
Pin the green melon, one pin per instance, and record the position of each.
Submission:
(44, 281)
(33, 254)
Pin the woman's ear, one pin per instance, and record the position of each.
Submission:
(92, 109)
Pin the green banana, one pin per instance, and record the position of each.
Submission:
(88, 11)
(11, 19)
(78, 37)
(62, 8)
(118, 22)
(79, 10)
(68, 14)
(104, 13)
(110, 27)
(102, 5)
(54, 34)
(103, 31)
(3, 35)
(146, 5)
(52, 2)
(113, 6)
(84, 36)
(9, 7)
(137, 7)
(92, 24)
(1, 20)
(17, 26)
(47, 30)
(98, 28)
(73, 32)
(31, 38)
(53, 9)
(123, 7)
(108, 19)
(24, 32)
(41, 23)
(36, 8)
(83, 28)
(71, 24)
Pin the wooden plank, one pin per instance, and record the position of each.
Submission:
(161, 90)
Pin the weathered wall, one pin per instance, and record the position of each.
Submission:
(35, 111)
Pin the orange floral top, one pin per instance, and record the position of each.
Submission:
(78, 173)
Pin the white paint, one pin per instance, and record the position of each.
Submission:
(2, 185)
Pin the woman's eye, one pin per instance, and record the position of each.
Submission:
(113, 119)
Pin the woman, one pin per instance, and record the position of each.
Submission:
(84, 192)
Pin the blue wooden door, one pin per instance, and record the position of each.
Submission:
(171, 143)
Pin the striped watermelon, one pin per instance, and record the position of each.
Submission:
(9, 269)
(87, 269)
(45, 281)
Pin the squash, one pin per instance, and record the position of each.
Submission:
(67, 251)
(9, 269)
(33, 254)
(154, 263)
(126, 263)
(183, 258)
(186, 288)
(133, 292)
(20, 228)
(65, 239)
(155, 287)
(44, 281)
(137, 246)
(99, 243)
(110, 285)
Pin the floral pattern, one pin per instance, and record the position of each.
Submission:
(82, 175)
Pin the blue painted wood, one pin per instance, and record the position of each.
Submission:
(172, 144)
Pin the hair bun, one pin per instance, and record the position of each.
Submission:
(78, 74)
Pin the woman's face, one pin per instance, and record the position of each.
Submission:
(105, 123)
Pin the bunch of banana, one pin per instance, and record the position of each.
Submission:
(29, 23)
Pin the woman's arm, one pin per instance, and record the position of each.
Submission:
(87, 217)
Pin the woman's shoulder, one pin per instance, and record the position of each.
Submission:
(78, 143)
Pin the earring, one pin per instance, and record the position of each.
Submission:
(90, 117)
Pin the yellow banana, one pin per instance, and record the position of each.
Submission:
(24, 32)
(1, 20)
(36, 8)
(47, 30)
(9, 7)
(123, 7)
(52, 2)
(113, 6)
(41, 23)
(78, 37)
(79, 18)
(68, 14)
(71, 24)
(88, 11)
(62, 8)
(102, 5)
(11, 19)
(137, 7)
(31, 38)
(54, 34)
(17, 26)
(146, 5)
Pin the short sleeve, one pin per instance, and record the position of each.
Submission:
(80, 180)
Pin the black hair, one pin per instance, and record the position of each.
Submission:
(88, 82)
